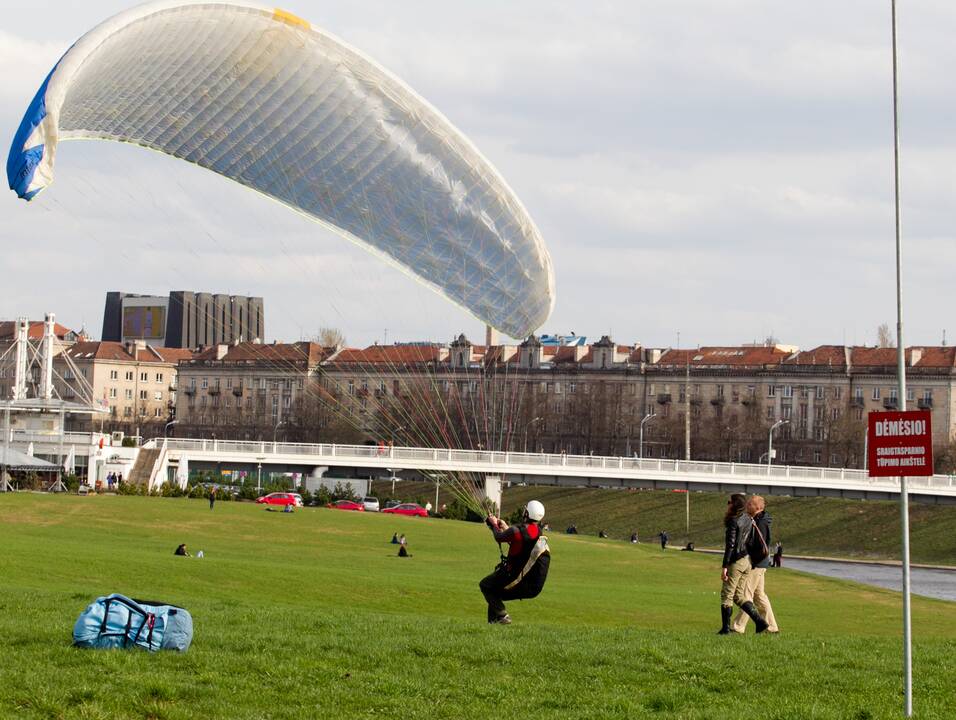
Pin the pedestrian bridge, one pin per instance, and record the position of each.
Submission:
(552, 469)
(363, 461)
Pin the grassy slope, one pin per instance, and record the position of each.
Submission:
(811, 526)
(310, 614)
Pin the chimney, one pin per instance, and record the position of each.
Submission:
(916, 355)
(221, 351)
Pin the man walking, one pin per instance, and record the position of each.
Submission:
(212, 497)
(758, 547)
(522, 574)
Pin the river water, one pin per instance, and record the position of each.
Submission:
(931, 583)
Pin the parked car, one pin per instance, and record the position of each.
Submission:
(392, 503)
(346, 505)
(279, 498)
(371, 504)
(412, 509)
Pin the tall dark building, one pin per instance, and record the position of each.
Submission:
(184, 319)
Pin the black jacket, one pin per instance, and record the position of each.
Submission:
(736, 534)
(760, 552)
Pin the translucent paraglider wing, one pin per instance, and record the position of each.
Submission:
(263, 98)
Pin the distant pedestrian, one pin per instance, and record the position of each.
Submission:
(402, 541)
(394, 539)
(634, 537)
(602, 534)
(778, 555)
(428, 508)
(403, 551)
(181, 550)
(664, 539)
(212, 497)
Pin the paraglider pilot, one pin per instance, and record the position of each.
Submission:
(522, 573)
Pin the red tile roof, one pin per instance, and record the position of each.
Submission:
(8, 330)
(388, 355)
(722, 356)
(115, 351)
(249, 352)
(828, 355)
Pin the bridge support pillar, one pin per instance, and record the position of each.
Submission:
(493, 490)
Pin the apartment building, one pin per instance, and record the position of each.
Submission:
(135, 381)
(247, 390)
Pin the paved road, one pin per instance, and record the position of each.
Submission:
(932, 583)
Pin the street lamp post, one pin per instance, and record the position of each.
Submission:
(275, 430)
(770, 442)
(527, 429)
(647, 418)
(166, 429)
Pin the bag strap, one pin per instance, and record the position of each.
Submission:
(763, 542)
(540, 548)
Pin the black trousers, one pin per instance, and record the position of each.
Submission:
(493, 588)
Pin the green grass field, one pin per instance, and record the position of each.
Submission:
(830, 527)
(312, 615)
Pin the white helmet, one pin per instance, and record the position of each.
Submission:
(534, 510)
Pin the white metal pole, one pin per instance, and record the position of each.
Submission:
(901, 380)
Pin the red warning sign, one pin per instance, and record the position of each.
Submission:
(900, 443)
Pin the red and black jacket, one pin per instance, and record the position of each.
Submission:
(521, 540)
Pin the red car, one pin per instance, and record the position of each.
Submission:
(407, 509)
(346, 505)
(279, 498)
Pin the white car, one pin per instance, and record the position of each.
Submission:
(371, 504)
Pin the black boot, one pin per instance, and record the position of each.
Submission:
(725, 613)
(748, 607)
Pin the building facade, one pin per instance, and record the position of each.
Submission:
(183, 319)
(135, 381)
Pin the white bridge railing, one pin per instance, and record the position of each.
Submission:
(495, 462)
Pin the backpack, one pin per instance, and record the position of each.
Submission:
(535, 570)
(116, 621)
(756, 545)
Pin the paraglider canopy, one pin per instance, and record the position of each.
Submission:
(263, 98)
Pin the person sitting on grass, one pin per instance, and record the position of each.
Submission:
(394, 539)
(522, 574)
(181, 550)
(403, 551)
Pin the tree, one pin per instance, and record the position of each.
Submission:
(329, 337)
(884, 338)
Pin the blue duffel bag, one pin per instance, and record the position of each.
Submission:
(116, 621)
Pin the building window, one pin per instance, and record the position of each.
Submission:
(143, 395)
(788, 391)
(858, 394)
(205, 383)
(68, 374)
(650, 390)
(287, 401)
(159, 377)
(837, 393)
(262, 383)
(859, 413)
(835, 414)
(771, 391)
(158, 395)
(129, 375)
(720, 391)
(202, 401)
(112, 392)
(770, 414)
(928, 395)
(129, 394)
(572, 388)
(192, 383)
(876, 393)
(144, 377)
(157, 413)
(894, 394)
(785, 412)
(127, 411)
(351, 387)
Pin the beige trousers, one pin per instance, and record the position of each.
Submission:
(734, 588)
(758, 596)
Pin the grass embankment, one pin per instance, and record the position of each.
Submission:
(829, 527)
(311, 615)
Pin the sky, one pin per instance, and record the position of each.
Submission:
(719, 170)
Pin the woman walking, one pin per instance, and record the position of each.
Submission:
(736, 566)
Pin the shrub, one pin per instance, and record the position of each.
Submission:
(128, 488)
(343, 491)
